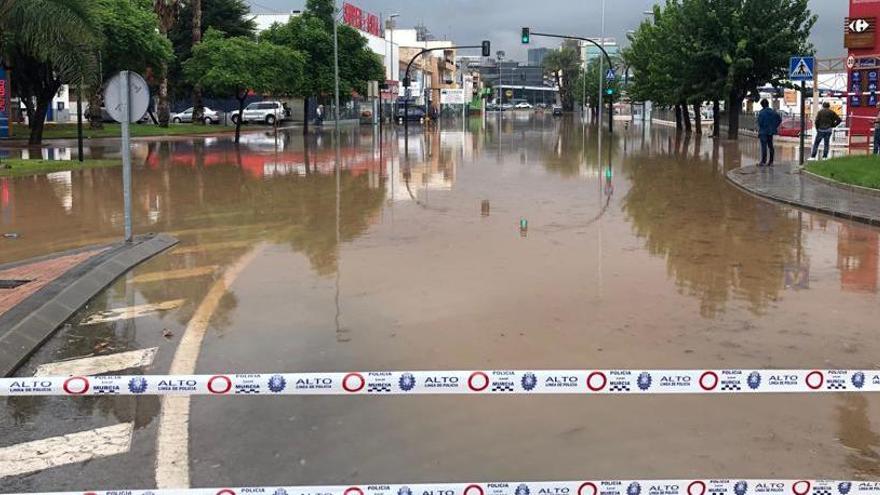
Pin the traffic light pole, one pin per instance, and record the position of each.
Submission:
(607, 58)
(406, 85)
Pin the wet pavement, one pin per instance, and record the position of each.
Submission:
(784, 183)
(636, 255)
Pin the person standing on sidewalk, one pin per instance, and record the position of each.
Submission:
(877, 131)
(768, 126)
(826, 121)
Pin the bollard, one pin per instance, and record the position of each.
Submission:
(484, 208)
(523, 227)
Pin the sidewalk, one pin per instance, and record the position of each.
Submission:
(55, 287)
(781, 183)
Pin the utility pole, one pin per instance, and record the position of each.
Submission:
(601, 72)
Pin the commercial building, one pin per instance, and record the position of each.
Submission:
(517, 82)
(536, 56)
(590, 52)
(430, 72)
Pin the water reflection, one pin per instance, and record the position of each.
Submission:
(717, 241)
(855, 433)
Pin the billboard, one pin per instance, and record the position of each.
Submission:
(360, 20)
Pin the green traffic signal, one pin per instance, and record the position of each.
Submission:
(609, 91)
(526, 35)
(608, 173)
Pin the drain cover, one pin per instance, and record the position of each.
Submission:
(11, 284)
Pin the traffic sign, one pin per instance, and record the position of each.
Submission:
(850, 62)
(138, 97)
(609, 76)
(801, 68)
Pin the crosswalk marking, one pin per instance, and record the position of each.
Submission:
(174, 274)
(213, 246)
(52, 452)
(130, 312)
(99, 364)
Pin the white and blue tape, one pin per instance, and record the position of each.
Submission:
(743, 381)
(583, 487)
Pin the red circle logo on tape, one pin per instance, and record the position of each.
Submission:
(76, 385)
(226, 491)
(810, 379)
(359, 380)
(709, 377)
(223, 387)
(700, 484)
(353, 490)
(472, 383)
(596, 388)
(804, 487)
(590, 485)
(473, 489)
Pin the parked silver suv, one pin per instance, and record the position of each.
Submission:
(267, 112)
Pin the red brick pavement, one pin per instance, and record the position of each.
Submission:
(39, 273)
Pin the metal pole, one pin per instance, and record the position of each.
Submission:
(336, 68)
(803, 120)
(79, 120)
(602, 72)
(126, 153)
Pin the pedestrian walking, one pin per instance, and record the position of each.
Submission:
(768, 126)
(826, 120)
(877, 131)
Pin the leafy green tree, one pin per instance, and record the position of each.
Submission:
(564, 66)
(236, 66)
(132, 43)
(698, 50)
(47, 43)
(231, 17)
(312, 34)
(167, 11)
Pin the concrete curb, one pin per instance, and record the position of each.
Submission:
(842, 185)
(731, 177)
(27, 326)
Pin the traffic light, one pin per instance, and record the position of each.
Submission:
(609, 91)
(487, 48)
(609, 173)
(525, 36)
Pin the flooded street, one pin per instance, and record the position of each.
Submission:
(524, 243)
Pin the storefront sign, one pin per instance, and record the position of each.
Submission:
(4, 104)
(859, 32)
(358, 19)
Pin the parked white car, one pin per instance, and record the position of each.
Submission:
(211, 116)
(267, 112)
(524, 105)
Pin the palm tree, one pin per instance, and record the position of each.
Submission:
(564, 65)
(198, 108)
(166, 10)
(48, 43)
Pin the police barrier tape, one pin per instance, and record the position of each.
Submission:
(596, 487)
(457, 382)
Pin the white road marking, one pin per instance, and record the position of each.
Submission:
(99, 364)
(173, 274)
(129, 312)
(214, 246)
(172, 444)
(67, 449)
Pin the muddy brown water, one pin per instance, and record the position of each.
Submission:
(642, 256)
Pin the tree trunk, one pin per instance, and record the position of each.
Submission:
(678, 117)
(698, 119)
(240, 114)
(94, 113)
(686, 116)
(716, 116)
(163, 108)
(198, 107)
(734, 105)
(305, 115)
(38, 120)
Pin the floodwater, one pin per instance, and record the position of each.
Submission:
(637, 254)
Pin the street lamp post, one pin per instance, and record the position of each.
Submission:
(602, 77)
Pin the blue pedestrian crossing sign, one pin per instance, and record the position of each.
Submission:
(609, 76)
(801, 68)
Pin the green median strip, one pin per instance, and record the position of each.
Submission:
(859, 170)
(68, 131)
(14, 167)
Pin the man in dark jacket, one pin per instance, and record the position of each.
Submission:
(768, 125)
(826, 121)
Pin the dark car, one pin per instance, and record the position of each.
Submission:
(557, 110)
(413, 114)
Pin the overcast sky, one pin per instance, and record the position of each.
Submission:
(469, 21)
